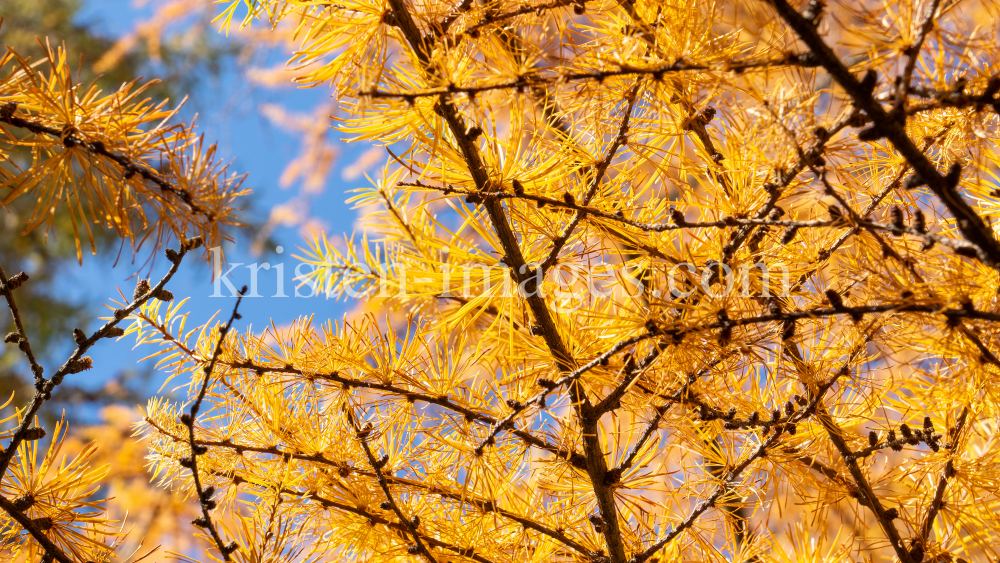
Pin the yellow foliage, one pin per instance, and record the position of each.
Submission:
(570, 188)
(113, 160)
(56, 495)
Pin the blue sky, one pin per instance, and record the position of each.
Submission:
(257, 148)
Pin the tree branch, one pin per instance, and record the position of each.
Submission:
(913, 52)
(540, 80)
(7, 287)
(205, 494)
(574, 458)
(596, 462)
(44, 387)
(961, 247)
(377, 519)
(549, 387)
(947, 473)
(50, 547)
(409, 524)
(76, 363)
(462, 497)
(971, 225)
(738, 469)
(659, 412)
(621, 139)
(129, 167)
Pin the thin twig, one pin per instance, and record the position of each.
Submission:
(129, 167)
(964, 248)
(372, 517)
(913, 52)
(549, 387)
(738, 469)
(549, 79)
(411, 525)
(39, 535)
(461, 497)
(621, 139)
(654, 423)
(6, 287)
(205, 494)
(969, 223)
(77, 362)
(573, 458)
(44, 387)
(947, 473)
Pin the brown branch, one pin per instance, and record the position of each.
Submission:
(952, 100)
(574, 458)
(951, 315)
(489, 19)
(738, 469)
(73, 363)
(371, 517)
(866, 495)
(696, 122)
(129, 167)
(614, 475)
(747, 225)
(828, 251)
(621, 139)
(784, 178)
(985, 354)
(569, 379)
(680, 396)
(457, 496)
(595, 460)
(871, 500)
(913, 52)
(820, 467)
(375, 519)
(863, 490)
(623, 69)
(51, 549)
(970, 224)
(77, 362)
(928, 438)
(411, 525)
(7, 287)
(619, 391)
(633, 370)
(825, 253)
(188, 419)
(947, 473)
(961, 247)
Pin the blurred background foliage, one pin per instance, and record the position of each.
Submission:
(177, 43)
(183, 58)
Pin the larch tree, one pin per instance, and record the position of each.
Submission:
(679, 281)
(45, 307)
